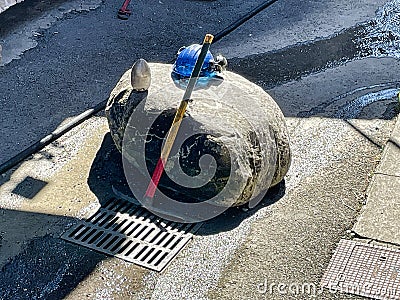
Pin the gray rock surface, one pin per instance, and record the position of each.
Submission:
(232, 119)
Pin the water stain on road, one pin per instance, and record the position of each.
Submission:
(273, 68)
(377, 38)
(22, 25)
(383, 33)
(375, 101)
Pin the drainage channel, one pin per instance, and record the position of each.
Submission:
(132, 233)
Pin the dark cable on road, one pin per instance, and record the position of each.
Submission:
(242, 20)
(39, 145)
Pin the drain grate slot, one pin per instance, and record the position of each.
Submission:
(132, 233)
(363, 269)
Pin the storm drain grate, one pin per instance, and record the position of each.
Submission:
(132, 233)
(363, 269)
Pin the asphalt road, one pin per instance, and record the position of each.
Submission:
(80, 57)
(313, 57)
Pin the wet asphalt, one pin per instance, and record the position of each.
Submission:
(309, 55)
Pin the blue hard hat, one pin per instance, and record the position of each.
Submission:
(186, 60)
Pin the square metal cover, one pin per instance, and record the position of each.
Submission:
(363, 269)
(132, 233)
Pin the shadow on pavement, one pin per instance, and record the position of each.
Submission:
(106, 171)
(47, 267)
(234, 216)
(29, 187)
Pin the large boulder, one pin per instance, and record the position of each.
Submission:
(233, 120)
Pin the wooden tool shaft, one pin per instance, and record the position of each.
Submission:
(173, 132)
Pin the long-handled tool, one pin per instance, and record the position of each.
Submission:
(124, 12)
(152, 187)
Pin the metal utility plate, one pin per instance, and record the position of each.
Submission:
(364, 269)
(132, 233)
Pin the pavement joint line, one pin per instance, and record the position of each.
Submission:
(379, 146)
(378, 199)
(394, 140)
(372, 241)
(385, 174)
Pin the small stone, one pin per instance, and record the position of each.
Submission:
(140, 76)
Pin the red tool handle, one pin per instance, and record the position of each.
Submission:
(155, 179)
(125, 5)
(172, 133)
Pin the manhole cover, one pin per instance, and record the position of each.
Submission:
(130, 232)
(365, 270)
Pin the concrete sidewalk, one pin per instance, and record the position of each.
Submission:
(380, 217)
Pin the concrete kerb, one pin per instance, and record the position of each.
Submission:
(379, 218)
